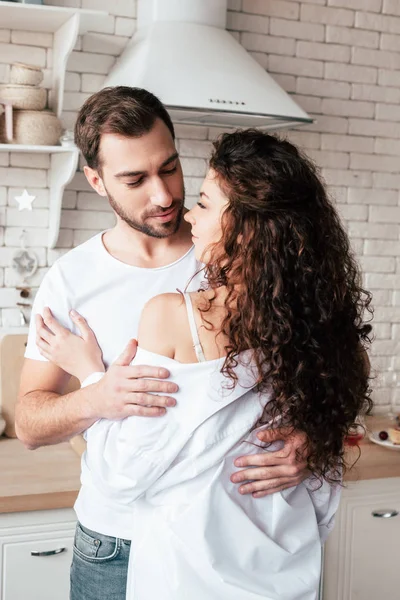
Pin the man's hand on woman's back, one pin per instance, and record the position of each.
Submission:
(270, 472)
(127, 391)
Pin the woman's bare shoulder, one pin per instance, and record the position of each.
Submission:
(163, 305)
(159, 323)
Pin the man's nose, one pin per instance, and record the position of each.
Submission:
(160, 194)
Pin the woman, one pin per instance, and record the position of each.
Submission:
(274, 338)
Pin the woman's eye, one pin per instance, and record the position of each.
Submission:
(200, 204)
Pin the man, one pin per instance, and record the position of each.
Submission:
(127, 139)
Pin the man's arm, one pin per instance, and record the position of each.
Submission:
(45, 416)
(270, 472)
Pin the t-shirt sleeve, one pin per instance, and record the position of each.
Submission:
(52, 293)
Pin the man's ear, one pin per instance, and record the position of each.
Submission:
(95, 180)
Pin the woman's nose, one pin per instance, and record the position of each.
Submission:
(189, 217)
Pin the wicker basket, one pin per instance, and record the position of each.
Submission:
(33, 127)
(24, 97)
(25, 74)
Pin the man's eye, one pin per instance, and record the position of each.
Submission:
(134, 183)
(169, 171)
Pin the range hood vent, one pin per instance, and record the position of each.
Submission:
(182, 53)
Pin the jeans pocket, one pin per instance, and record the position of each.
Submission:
(95, 547)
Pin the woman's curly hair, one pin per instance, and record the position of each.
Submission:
(294, 292)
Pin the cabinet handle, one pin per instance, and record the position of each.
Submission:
(385, 513)
(47, 552)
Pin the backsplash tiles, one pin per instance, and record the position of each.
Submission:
(339, 58)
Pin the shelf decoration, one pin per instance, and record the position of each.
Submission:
(6, 108)
(25, 200)
(24, 261)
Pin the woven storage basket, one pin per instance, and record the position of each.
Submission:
(33, 127)
(25, 74)
(24, 97)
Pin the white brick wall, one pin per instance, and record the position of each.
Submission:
(339, 58)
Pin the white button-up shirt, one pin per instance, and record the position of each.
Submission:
(194, 536)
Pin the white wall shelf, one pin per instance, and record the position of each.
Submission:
(35, 17)
(62, 169)
(36, 149)
(65, 24)
(63, 165)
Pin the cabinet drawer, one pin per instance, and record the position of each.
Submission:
(37, 577)
(361, 555)
(375, 558)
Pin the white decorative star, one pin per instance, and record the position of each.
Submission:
(25, 200)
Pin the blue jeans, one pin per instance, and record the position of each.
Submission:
(99, 567)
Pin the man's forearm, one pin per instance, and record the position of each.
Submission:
(43, 418)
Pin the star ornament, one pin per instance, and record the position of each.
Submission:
(25, 200)
(24, 262)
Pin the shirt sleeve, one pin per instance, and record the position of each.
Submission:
(51, 293)
(126, 457)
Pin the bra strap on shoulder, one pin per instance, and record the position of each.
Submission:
(193, 329)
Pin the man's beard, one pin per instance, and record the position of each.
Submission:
(162, 230)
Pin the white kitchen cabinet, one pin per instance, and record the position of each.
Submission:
(362, 553)
(35, 554)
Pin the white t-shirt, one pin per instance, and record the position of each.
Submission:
(110, 295)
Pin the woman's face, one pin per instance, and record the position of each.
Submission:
(205, 217)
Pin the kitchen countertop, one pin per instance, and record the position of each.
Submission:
(48, 477)
(375, 462)
(42, 479)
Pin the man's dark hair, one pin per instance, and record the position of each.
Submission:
(123, 110)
